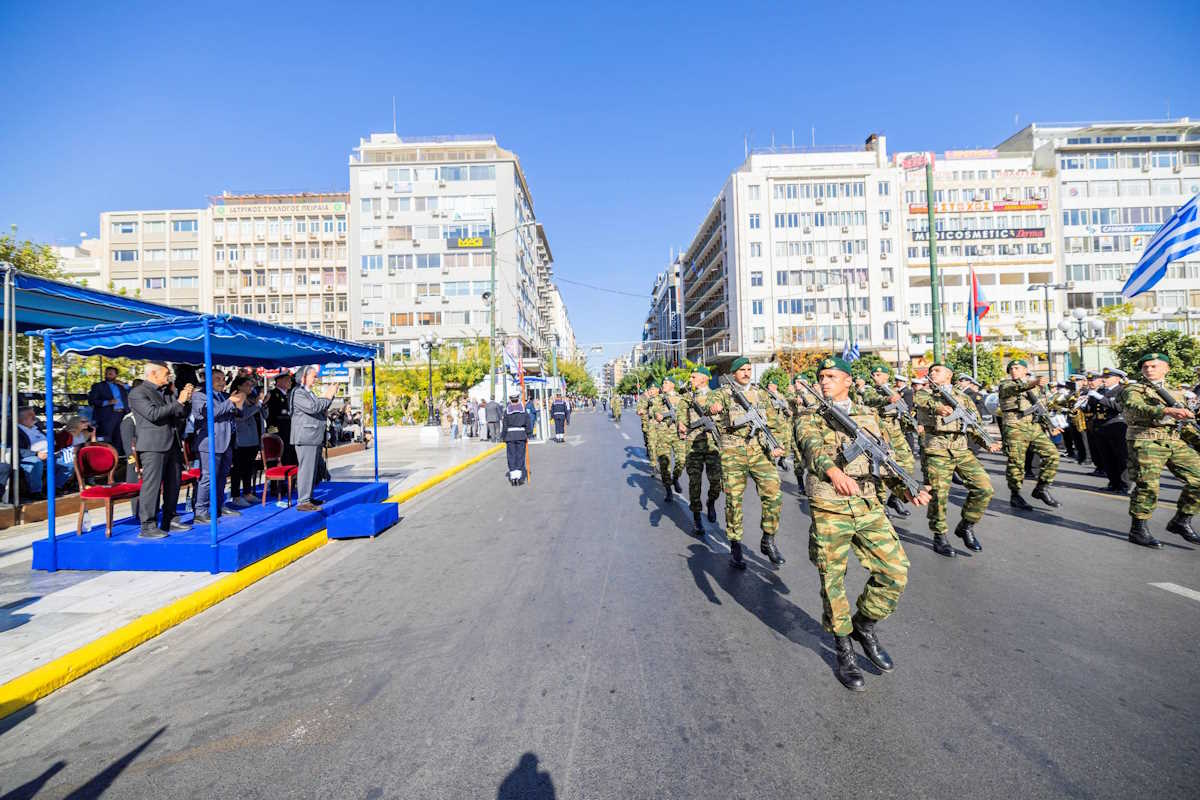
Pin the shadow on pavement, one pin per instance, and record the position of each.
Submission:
(9, 619)
(527, 782)
(34, 786)
(95, 787)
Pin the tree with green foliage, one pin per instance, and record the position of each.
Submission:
(862, 366)
(576, 378)
(776, 375)
(991, 360)
(1183, 350)
(28, 257)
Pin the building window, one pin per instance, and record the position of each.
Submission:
(756, 278)
(372, 263)
(186, 282)
(755, 220)
(753, 192)
(156, 227)
(154, 283)
(756, 249)
(756, 307)
(119, 228)
(124, 255)
(185, 225)
(759, 335)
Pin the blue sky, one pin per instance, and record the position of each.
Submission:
(627, 117)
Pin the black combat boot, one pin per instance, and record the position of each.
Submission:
(941, 546)
(1139, 535)
(670, 496)
(1019, 503)
(697, 525)
(897, 505)
(1182, 524)
(966, 532)
(864, 634)
(767, 548)
(847, 670)
(735, 555)
(1042, 492)
(675, 483)
(712, 511)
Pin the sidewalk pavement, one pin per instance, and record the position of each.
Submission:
(44, 615)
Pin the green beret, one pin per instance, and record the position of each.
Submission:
(1154, 357)
(668, 378)
(1017, 361)
(738, 363)
(881, 368)
(651, 383)
(702, 370)
(939, 364)
(834, 362)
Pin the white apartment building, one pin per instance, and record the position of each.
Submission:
(82, 263)
(154, 255)
(563, 332)
(421, 239)
(1117, 183)
(994, 214)
(799, 245)
(279, 258)
(663, 326)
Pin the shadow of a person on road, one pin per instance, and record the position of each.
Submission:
(526, 782)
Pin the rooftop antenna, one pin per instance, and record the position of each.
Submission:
(746, 144)
(814, 135)
(793, 138)
(393, 115)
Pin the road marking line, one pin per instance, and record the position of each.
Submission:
(624, 435)
(1182, 591)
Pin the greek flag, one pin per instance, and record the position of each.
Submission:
(850, 352)
(1179, 236)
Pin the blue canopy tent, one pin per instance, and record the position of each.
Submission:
(29, 303)
(201, 339)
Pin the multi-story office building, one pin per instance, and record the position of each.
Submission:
(995, 214)
(281, 259)
(154, 255)
(614, 370)
(663, 331)
(82, 263)
(425, 217)
(798, 251)
(563, 331)
(1117, 183)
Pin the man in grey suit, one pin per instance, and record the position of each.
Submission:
(493, 413)
(226, 409)
(308, 432)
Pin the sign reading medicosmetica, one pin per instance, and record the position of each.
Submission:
(982, 235)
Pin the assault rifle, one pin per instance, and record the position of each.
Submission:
(863, 442)
(704, 422)
(780, 404)
(900, 407)
(1038, 412)
(968, 420)
(756, 422)
(670, 412)
(1188, 428)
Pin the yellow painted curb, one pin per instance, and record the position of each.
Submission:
(28, 688)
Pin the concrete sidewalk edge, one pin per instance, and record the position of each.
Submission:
(36, 684)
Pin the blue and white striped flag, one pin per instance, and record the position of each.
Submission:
(1179, 236)
(850, 352)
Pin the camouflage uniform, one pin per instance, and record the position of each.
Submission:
(642, 408)
(1021, 432)
(889, 423)
(702, 453)
(742, 456)
(1154, 442)
(802, 404)
(665, 436)
(841, 524)
(944, 452)
(615, 404)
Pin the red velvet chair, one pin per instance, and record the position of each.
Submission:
(272, 453)
(92, 460)
(189, 478)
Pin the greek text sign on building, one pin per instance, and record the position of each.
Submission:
(982, 234)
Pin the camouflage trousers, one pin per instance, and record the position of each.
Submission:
(646, 442)
(1147, 457)
(702, 455)
(865, 529)
(1021, 437)
(938, 468)
(742, 461)
(616, 412)
(666, 445)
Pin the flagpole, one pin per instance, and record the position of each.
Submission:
(973, 324)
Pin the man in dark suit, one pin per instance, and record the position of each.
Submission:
(308, 433)
(109, 400)
(279, 416)
(157, 413)
(226, 409)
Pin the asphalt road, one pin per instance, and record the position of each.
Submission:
(568, 639)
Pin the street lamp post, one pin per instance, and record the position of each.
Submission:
(427, 344)
(1085, 329)
(1046, 287)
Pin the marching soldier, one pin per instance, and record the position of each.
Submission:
(702, 452)
(944, 453)
(1153, 431)
(801, 403)
(615, 404)
(886, 401)
(665, 433)
(1018, 395)
(516, 428)
(908, 424)
(743, 456)
(1091, 434)
(1112, 452)
(847, 515)
(643, 412)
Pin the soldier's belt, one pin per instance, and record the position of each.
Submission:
(1156, 433)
